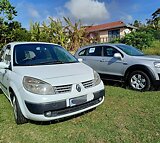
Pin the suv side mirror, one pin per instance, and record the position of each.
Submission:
(3, 65)
(80, 60)
(118, 56)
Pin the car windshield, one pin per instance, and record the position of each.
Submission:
(129, 50)
(41, 54)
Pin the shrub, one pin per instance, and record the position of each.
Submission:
(140, 40)
(154, 49)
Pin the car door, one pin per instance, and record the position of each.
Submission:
(110, 64)
(92, 56)
(4, 73)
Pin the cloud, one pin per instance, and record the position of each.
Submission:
(29, 10)
(32, 11)
(89, 11)
(126, 17)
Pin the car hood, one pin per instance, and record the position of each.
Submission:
(148, 57)
(58, 74)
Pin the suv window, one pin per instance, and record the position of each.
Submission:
(94, 51)
(109, 51)
(82, 53)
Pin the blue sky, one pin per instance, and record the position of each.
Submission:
(89, 11)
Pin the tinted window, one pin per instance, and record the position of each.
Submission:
(109, 51)
(37, 54)
(94, 51)
(82, 53)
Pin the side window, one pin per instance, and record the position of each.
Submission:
(82, 53)
(6, 57)
(2, 54)
(109, 51)
(94, 51)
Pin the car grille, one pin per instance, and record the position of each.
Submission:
(63, 89)
(74, 108)
(88, 84)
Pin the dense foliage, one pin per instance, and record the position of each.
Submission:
(143, 37)
(70, 35)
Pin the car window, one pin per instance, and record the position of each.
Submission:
(6, 55)
(82, 53)
(94, 51)
(109, 51)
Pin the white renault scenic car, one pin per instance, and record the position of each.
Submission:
(44, 82)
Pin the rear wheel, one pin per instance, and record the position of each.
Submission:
(19, 118)
(139, 80)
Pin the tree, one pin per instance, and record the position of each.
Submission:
(7, 10)
(77, 33)
(156, 19)
(35, 31)
(7, 13)
(57, 32)
(53, 32)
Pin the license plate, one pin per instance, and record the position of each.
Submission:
(78, 100)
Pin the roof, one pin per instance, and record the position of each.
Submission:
(111, 25)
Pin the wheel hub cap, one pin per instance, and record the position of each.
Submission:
(138, 81)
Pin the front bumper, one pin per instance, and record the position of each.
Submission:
(55, 110)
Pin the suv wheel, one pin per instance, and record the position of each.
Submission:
(19, 118)
(138, 80)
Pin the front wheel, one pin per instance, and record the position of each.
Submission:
(19, 118)
(138, 80)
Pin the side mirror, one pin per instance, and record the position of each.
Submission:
(118, 56)
(3, 65)
(80, 60)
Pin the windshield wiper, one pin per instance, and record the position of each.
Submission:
(51, 62)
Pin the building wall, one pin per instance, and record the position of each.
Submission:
(103, 35)
(124, 31)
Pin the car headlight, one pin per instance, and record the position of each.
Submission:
(97, 78)
(37, 86)
(157, 64)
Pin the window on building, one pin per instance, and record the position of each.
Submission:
(112, 34)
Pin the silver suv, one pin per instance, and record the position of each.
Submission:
(123, 63)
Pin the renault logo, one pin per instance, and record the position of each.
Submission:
(78, 88)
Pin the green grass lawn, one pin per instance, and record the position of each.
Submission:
(125, 116)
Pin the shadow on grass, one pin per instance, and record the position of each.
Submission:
(1, 92)
(60, 120)
(114, 83)
(122, 85)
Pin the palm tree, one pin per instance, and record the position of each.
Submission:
(77, 34)
(35, 31)
(156, 18)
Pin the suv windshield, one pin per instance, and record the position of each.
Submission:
(129, 50)
(41, 54)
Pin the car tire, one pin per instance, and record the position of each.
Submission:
(139, 80)
(19, 118)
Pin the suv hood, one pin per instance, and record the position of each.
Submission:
(58, 74)
(148, 57)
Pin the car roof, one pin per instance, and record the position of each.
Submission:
(18, 43)
(103, 44)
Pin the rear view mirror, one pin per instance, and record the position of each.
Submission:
(118, 56)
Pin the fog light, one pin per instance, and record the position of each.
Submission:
(49, 114)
